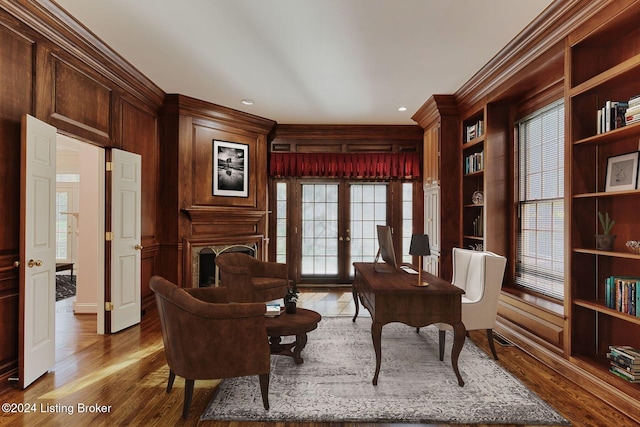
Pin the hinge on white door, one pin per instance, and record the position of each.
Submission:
(109, 166)
(108, 306)
(108, 236)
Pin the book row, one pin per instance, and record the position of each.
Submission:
(616, 114)
(474, 163)
(623, 294)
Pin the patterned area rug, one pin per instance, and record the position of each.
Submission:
(65, 286)
(334, 383)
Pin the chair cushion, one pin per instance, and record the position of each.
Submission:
(262, 283)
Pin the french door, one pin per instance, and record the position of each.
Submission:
(337, 227)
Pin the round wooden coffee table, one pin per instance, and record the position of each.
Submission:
(298, 324)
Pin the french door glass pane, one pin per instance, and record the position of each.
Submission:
(319, 230)
(368, 209)
(407, 220)
(281, 222)
(62, 224)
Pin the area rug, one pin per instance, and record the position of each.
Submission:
(334, 383)
(65, 286)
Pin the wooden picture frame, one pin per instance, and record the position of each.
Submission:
(622, 172)
(230, 169)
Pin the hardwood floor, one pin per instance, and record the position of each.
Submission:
(121, 379)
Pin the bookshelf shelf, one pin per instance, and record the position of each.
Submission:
(598, 305)
(475, 141)
(627, 255)
(612, 136)
(626, 69)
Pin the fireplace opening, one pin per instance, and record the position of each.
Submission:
(207, 269)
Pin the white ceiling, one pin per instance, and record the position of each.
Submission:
(309, 61)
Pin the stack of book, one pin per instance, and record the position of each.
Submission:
(633, 111)
(622, 294)
(475, 130)
(625, 362)
(273, 310)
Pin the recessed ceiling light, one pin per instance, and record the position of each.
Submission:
(402, 109)
(247, 101)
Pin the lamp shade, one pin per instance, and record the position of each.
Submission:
(420, 245)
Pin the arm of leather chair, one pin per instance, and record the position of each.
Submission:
(269, 269)
(209, 294)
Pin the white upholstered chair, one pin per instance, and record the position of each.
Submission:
(480, 275)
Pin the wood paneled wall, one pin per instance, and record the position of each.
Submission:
(52, 69)
(189, 209)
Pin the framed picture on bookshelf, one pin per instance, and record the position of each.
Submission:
(622, 172)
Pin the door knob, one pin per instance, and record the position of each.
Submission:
(348, 239)
(138, 247)
(340, 238)
(36, 263)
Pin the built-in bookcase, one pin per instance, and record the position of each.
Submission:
(473, 180)
(604, 65)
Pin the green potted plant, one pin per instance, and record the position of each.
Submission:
(605, 241)
(290, 299)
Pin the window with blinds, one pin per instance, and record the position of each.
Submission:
(540, 179)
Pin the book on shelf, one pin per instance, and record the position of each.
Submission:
(612, 116)
(474, 163)
(622, 363)
(474, 130)
(623, 294)
(624, 375)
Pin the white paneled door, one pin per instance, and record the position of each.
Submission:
(126, 244)
(37, 250)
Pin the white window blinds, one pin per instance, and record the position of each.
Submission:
(540, 178)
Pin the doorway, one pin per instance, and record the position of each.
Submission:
(80, 218)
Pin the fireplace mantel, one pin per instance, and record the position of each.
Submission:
(226, 214)
(227, 220)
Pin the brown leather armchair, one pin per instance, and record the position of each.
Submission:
(205, 337)
(251, 280)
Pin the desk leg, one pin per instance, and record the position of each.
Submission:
(376, 335)
(356, 301)
(459, 333)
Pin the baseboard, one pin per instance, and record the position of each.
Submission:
(85, 308)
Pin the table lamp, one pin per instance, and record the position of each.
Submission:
(420, 247)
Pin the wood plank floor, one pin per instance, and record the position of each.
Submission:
(120, 379)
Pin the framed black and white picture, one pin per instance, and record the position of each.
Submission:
(622, 172)
(230, 169)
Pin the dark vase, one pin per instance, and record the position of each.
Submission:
(604, 242)
(290, 307)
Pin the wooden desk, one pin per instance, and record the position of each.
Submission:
(390, 297)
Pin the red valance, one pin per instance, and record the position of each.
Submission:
(348, 165)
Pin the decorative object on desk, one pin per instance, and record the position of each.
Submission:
(604, 242)
(622, 172)
(337, 374)
(477, 198)
(633, 246)
(420, 247)
(291, 299)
